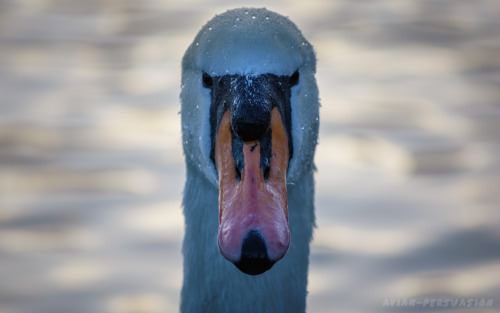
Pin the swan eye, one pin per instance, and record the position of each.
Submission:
(207, 80)
(294, 79)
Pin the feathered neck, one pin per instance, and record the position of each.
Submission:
(213, 284)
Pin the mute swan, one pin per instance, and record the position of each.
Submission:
(250, 116)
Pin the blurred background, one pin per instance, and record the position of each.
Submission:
(92, 172)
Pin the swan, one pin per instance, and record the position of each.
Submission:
(250, 117)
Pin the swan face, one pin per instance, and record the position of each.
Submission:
(250, 122)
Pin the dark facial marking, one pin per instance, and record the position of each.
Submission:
(250, 100)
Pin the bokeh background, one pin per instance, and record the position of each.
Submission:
(91, 167)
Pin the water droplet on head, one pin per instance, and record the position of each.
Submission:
(267, 17)
(210, 28)
(197, 44)
(246, 12)
(253, 17)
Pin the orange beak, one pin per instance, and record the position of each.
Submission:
(253, 211)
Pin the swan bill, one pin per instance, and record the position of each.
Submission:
(253, 210)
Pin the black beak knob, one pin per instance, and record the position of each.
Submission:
(254, 259)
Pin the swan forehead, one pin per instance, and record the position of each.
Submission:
(250, 41)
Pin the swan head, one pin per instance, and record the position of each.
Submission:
(250, 124)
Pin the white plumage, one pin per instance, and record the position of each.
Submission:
(246, 42)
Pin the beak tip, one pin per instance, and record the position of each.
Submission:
(254, 257)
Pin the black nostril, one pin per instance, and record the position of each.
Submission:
(254, 259)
